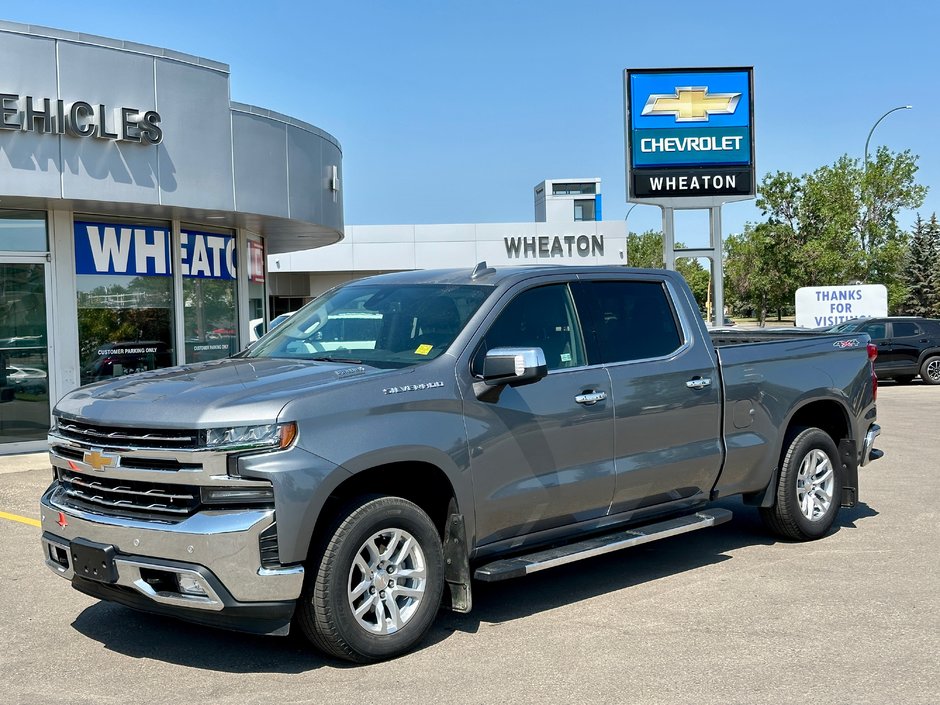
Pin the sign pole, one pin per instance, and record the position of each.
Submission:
(669, 238)
(718, 269)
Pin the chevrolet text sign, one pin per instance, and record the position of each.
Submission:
(818, 306)
(689, 132)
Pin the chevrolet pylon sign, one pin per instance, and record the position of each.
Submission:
(689, 133)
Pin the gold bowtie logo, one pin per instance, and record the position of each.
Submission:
(99, 461)
(691, 104)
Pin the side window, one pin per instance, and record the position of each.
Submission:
(905, 329)
(537, 318)
(633, 320)
(876, 331)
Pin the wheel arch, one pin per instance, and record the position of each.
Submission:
(829, 414)
(421, 482)
(924, 354)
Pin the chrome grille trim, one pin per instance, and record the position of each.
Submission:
(96, 486)
(92, 433)
(140, 499)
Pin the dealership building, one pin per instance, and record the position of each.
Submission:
(138, 204)
(568, 229)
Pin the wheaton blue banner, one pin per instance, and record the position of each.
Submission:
(690, 132)
(139, 250)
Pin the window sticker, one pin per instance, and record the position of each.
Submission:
(424, 349)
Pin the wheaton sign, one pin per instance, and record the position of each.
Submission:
(689, 132)
(551, 246)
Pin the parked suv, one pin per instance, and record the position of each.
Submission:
(907, 346)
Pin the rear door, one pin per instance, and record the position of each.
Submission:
(541, 454)
(666, 393)
(907, 339)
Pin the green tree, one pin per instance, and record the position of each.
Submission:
(833, 226)
(646, 250)
(762, 269)
(922, 270)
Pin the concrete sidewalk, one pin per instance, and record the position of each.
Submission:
(23, 462)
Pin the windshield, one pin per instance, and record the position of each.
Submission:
(848, 326)
(383, 325)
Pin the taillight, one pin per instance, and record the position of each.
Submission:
(872, 354)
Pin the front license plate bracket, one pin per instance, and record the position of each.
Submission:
(93, 561)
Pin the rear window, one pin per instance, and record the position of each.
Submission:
(632, 320)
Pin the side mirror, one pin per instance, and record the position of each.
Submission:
(514, 366)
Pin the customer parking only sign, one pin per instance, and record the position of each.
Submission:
(818, 306)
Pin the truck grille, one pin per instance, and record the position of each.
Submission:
(144, 500)
(127, 437)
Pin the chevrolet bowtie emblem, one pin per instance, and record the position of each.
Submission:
(691, 104)
(99, 461)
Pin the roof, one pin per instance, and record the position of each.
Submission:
(494, 276)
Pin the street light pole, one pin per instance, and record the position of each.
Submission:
(877, 122)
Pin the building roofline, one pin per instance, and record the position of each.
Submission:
(108, 42)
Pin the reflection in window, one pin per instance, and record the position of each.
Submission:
(23, 231)
(208, 264)
(125, 299)
(633, 320)
(584, 209)
(538, 318)
(24, 360)
(256, 288)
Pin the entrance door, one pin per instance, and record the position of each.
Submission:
(24, 353)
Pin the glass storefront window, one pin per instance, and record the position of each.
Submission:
(125, 298)
(23, 231)
(209, 309)
(255, 289)
(24, 360)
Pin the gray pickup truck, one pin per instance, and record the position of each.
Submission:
(403, 435)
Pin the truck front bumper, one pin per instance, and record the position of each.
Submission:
(205, 568)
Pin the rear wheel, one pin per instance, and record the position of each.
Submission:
(809, 489)
(930, 370)
(376, 586)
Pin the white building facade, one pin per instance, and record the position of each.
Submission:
(556, 237)
(137, 206)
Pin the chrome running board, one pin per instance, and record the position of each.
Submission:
(518, 566)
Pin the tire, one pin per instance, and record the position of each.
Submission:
(904, 379)
(930, 370)
(809, 489)
(375, 585)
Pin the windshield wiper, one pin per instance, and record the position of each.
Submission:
(330, 358)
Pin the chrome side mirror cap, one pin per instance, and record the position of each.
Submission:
(514, 366)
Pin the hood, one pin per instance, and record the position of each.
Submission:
(231, 391)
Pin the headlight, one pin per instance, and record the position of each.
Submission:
(271, 436)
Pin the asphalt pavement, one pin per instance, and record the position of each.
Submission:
(726, 615)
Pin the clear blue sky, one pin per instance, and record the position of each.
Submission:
(452, 112)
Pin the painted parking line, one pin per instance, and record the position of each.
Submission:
(22, 520)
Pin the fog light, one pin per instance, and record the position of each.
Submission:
(189, 585)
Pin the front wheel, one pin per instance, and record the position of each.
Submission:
(809, 489)
(376, 586)
(930, 370)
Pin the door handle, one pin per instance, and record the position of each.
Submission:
(590, 398)
(698, 382)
